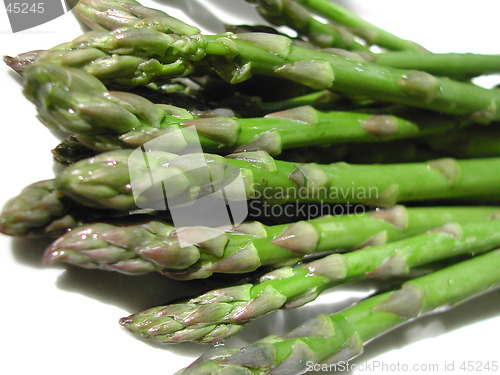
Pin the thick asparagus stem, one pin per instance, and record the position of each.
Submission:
(341, 336)
(89, 109)
(139, 56)
(371, 33)
(104, 181)
(220, 313)
(154, 245)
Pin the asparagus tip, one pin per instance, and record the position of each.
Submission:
(125, 321)
(51, 256)
(20, 62)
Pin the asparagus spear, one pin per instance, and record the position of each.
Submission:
(104, 180)
(217, 314)
(454, 65)
(115, 14)
(297, 17)
(443, 64)
(341, 336)
(370, 33)
(76, 108)
(139, 56)
(154, 245)
(40, 209)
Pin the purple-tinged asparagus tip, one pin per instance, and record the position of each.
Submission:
(126, 320)
(52, 256)
(21, 62)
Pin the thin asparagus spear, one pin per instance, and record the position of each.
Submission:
(215, 315)
(459, 66)
(371, 33)
(154, 245)
(104, 181)
(297, 17)
(85, 109)
(134, 57)
(341, 336)
(444, 64)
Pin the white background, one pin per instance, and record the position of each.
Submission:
(61, 320)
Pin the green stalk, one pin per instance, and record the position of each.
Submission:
(341, 336)
(297, 17)
(445, 64)
(371, 33)
(220, 313)
(154, 245)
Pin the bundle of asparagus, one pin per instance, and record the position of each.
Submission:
(146, 101)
